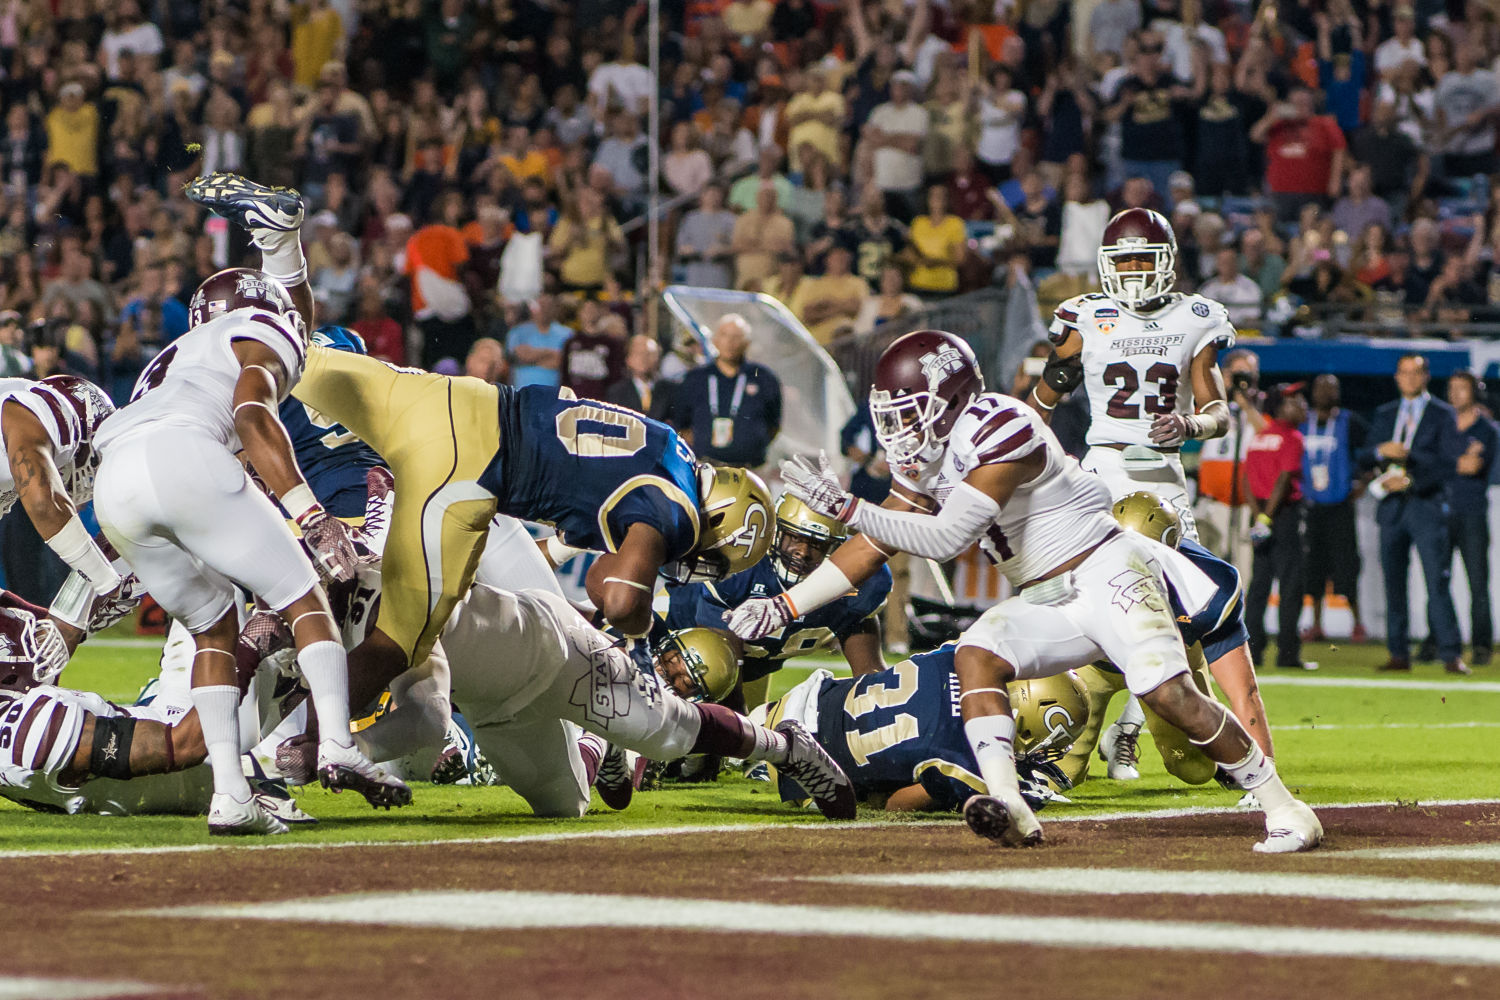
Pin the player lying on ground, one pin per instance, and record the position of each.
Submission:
(975, 467)
(1217, 644)
(177, 505)
(463, 450)
(802, 541)
(530, 671)
(899, 736)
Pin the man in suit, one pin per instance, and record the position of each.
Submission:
(642, 389)
(1414, 440)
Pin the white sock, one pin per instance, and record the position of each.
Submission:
(218, 708)
(1256, 773)
(1133, 714)
(992, 738)
(326, 670)
(281, 255)
(770, 746)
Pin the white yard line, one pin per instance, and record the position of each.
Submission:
(40, 988)
(278, 844)
(1149, 882)
(1445, 852)
(1319, 727)
(1385, 683)
(540, 910)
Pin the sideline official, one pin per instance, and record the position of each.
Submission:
(729, 410)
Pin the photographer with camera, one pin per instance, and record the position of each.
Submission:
(1222, 509)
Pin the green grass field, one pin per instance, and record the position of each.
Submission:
(1420, 738)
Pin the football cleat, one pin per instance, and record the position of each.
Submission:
(276, 800)
(460, 762)
(247, 204)
(297, 760)
(344, 767)
(619, 776)
(1118, 748)
(230, 818)
(820, 776)
(1293, 829)
(1010, 824)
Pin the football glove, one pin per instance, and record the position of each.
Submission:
(1260, 530)
(332, 544)
(1063, 375)
(818, 486)
(111, 607)
(760, 616)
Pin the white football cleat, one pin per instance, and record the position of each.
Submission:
(1118, 747)
(1248, 801)
(341, 767)
(228, 817)
(1293, 829)
(1012, 824)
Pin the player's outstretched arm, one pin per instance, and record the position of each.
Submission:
(622, 583)
(33, 467)
(862, 648)
(154, 748)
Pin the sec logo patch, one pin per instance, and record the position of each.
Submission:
(1200, 309)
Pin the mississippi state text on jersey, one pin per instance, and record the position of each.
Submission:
(1138, 366)
(1047, 521)
(191, 382)
(703, 605)
(591, 470)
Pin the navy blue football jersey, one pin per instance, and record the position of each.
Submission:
(333, 461)
(901, 726)
(591, 470)
(704, 604)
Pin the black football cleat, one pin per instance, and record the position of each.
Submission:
(248, 204)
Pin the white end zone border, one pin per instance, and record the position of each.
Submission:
(812, 825)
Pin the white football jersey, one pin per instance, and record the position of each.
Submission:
(1136, 367)
(191, 382)
(1046, 522)
(67, 428)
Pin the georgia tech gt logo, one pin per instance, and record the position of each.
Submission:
(941, 363)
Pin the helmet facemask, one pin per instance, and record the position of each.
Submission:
(908, 427)
(794, 562)
(1134, 289)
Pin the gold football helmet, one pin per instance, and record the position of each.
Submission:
(734, 525)
(697, 663)
(804, 538)
(1051, 713)
(1150, 515)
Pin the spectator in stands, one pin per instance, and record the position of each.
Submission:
(1111, 22)
(895, 134)
(705, 242)
(642, 388)
(744, 196)
(1222, 157)
(1341, 63)
(1150, 106)
(434, 255)
(1402, 47)
(1466, 99)
(1360, 207)
(582, 243)
(833, 229)
(761, 237)
(729, 410)
(1237, 292)
(623, 155)
(73, 131)
(1398, 166)
(13, 360)
(1469, 521)
(1415, 445)
(686, 167)
(892, 302)
(1331, 437)
(1426, 260)
(814, 117)
(784, 284)
(486, 361)
(593, 359)
(383, 336)
(937, 246)
(1304, 153)
(1273, 471)
(878, 238)
(536, 345)
(830, 303)
(1002, 109)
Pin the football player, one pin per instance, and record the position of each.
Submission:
(1148, 359)
(49, 460)
(561, 672)
(181, 509)
(898, 734)
(1217, 645)
(803, 539)
(975, 467)
(463, 450)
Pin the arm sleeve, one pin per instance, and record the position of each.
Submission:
(945, 535)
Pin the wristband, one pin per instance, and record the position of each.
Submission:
(1038, 401)
(299, 502)
(74, 602)
(74, 547)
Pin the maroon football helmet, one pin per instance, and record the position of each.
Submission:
(92, 406)
(242, 288)
(1138, 232)
(923, 381)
